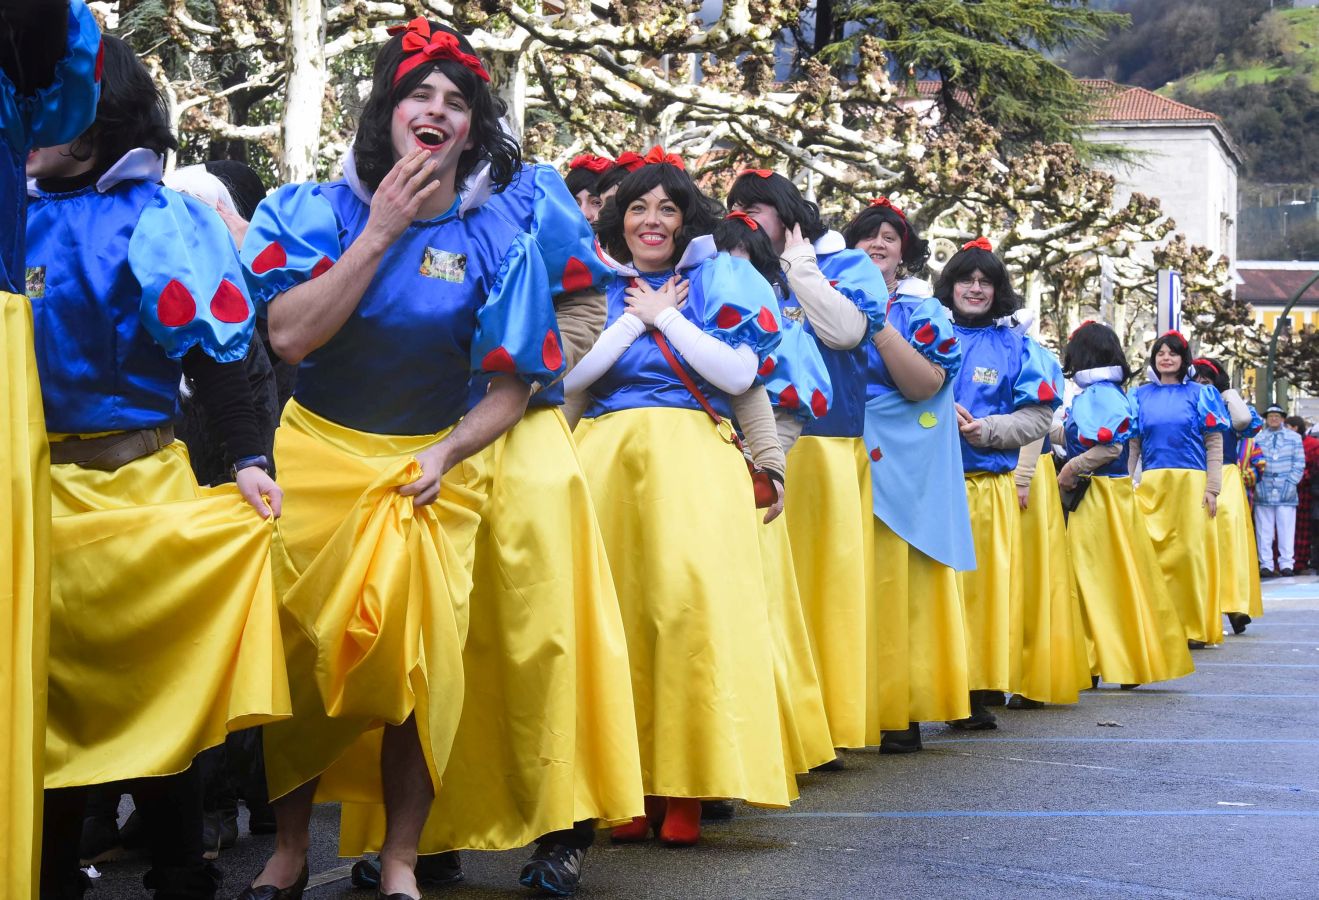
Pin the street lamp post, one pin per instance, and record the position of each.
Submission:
(1277, 330)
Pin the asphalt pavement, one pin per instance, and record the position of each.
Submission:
(1207, 787)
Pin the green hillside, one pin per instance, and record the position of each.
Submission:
(1287, 45)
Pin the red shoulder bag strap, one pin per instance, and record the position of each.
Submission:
(690, 384)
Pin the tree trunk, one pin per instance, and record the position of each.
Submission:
(508, 79)
(305, 91)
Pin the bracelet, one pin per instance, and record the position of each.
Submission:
(261, 462)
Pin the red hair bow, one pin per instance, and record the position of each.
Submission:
(1177, 334)
(980, 243)
(656, 155)
(886, 203)
(629, 160)
(1206, 364)
(422, 45)
(744, 219)
(596, 164)
(759, 173)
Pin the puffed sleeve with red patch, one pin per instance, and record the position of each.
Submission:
(1103, 414)
(516, 331)
(852, 274)
(795, 376)
(563, 236)
(193, 292)
(293, 238)
(1040, 380)
(738, 305)
(65, 107)
(1211, 412)
(930, 331)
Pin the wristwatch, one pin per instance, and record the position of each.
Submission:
(261, 462)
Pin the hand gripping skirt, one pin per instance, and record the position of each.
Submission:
(1134, 631)
(917, 639)
(993, 590)
(1055, 667)
(547, 735)
(1185, 541)
(679, 523)
(830, 525)
(373, 595)
(164, 629)
(1238, 566)
(25, 588)
(801, 705)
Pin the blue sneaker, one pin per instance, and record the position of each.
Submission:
(554, 869)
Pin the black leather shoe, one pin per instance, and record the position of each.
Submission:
(1287, 573)
(1239, 622)
(1195, 645)
(435, 870)
(1020, 701)
(1267, 573)
(381, 895)
(905, 741)
(716, 810)
(271, 892)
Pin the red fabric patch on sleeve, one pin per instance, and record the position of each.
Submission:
(273, 257)
(788, 399)
(925, 334)
(321, 267)
(766, 320)
(551, 353)
(498, 360)
(876, 454)
(1105, 435)
(766, 368)
(728, 317)
(576, 276)
(819, 405)
(100, 63)
(1046, 392)
(1085, 441)
(948, 345)
(1124, 427)
(175, 308)
(228, 304)
(1210, 421)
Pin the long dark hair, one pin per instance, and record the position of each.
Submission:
(700, 214)
(1212, 368)
(1094, 346)
(1175, 342)
(915, 249)
(774, 190)
(734, 232)
(373, 148)
(963, 265)
(131, 113)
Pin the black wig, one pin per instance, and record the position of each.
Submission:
(964, 264)
(245, 186)
(373, 147)
(734, 232)
(915, 249)
(1094, 346)
(1207, 367)
(131, 113)
(774, 190)
(611, 178)
(583, 179)
(1175, 342)
(700, 214)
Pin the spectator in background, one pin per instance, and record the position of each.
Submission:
(1276, 493)
(1311, 444)
(1304, 501)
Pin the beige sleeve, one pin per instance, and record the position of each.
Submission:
(1094, 459)
(581, 318)
(789, 428)
(917, 378)
(755, 418)
(836, 320)
(1017, 428)
(574, 405)
(1214, 462)
(1237, 409)
(1027, 460)
(1058, 427)
(1133, 459)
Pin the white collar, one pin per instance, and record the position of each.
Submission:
(830, 242)
(350, 176)
(1087, 377)
(698, 251)
(913, 287)
(1018, 322)
(139, 164)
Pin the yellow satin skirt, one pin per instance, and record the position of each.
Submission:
(679, 522)
(993, 590)
(1134, 632)
(25, 587)
(831, 527)
(1238, 565)
(1186, 543)
(917, 638)
(547, 735)
(165, 634)
(1055, 667)
(806, 738)
(374, 595)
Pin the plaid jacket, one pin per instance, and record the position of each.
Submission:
(1284, 464)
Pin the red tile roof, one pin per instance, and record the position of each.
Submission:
(1274, 287)
(1119, 103)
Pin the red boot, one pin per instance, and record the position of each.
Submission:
(682, 822)
(636, 830)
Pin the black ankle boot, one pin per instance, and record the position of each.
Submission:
(906, 741)
(199, 882)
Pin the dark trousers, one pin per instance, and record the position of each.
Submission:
(579, 837)
(171, 809)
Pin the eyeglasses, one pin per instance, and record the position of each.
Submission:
(975, 282)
